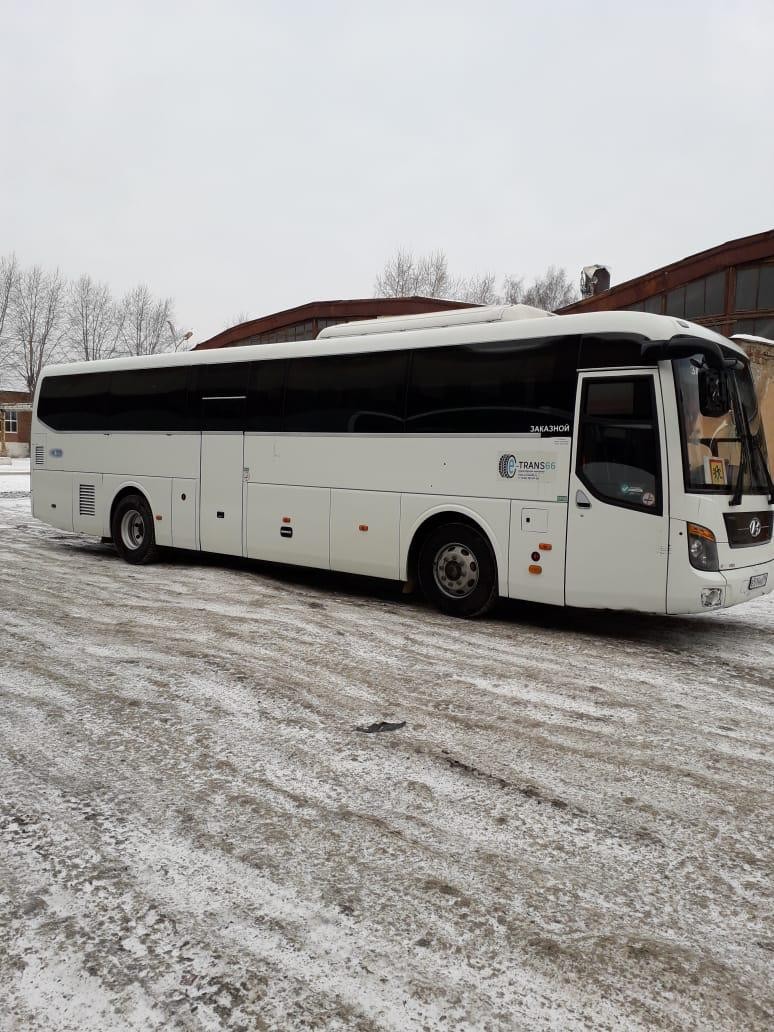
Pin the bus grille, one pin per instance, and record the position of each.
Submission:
(87, 501)
(38, 454)
(748, 528)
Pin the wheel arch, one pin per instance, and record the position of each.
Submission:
(437, 517)
(123, 492)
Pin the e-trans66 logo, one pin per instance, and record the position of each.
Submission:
(508, 466)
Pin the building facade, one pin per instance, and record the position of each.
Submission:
(729, 288)
(306, 321)
(17, 423)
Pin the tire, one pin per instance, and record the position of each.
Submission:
(133, 532)
(457, 570)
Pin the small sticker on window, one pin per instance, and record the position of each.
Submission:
(648, 498)
(715, 472)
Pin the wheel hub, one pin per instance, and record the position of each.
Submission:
(132, 529)
(455, 569)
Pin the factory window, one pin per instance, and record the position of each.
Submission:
(11, 423)
(675, 302)
(756, 327)
(755, 288)
(701, 297)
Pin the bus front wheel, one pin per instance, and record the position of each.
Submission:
(457, 570)
(132, 529)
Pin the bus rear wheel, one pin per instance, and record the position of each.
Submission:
(457, 570)
(133, 532)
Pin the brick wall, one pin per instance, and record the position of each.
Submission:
(18, 443)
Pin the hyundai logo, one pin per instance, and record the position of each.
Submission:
(755, 527)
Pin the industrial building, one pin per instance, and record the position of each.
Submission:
(729, 288)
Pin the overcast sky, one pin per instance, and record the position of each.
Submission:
(254, 156)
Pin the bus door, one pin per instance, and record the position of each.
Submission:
(221, 396)
(618, 518)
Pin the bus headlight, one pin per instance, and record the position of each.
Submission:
(702, 549)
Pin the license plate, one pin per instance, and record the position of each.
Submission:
(758, 581)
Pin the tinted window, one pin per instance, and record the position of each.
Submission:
(618, 448)
(608, 351)
(346, 393)
(149, 399)
(264, 398)
(219, 395)
(77, 402)
(511, 387)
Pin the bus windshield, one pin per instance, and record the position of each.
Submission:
(714, 446)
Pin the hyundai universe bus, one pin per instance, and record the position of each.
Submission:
(613, 459)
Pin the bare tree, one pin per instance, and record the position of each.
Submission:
(513, 290)
(551, 291)
(479, 290)
(38, 307)
(404, 275)
(9, 276)
(146, 323)
(94, 320)
(238, 319)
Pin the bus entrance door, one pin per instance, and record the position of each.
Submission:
(618, 517)
(220, 514)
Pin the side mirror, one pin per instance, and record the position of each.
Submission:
(714, 396)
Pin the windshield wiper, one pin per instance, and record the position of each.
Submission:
(751, 446)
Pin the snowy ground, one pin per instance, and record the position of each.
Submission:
(15, 478)
(572, 830)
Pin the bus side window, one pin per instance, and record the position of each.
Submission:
(75, 403)
(346, 393)
(265, 396)
(220, 395)
(618, 447)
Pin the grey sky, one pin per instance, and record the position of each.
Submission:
(254, 156)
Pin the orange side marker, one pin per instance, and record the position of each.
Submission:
(545, 547)
(535, 569)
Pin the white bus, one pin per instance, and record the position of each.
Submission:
(612, 460)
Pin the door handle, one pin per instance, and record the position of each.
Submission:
(582, 500)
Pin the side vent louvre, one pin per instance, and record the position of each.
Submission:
(87, 501)
(38, 454)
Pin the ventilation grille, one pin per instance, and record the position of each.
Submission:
(87, 501)
(38, 454)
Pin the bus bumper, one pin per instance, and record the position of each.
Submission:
(692, 591)
(748, 582)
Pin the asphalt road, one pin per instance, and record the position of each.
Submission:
(572, 830)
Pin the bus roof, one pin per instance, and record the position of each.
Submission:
(651, 327)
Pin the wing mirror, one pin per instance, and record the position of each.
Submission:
(714, 395)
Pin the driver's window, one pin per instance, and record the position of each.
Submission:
(618, 447)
